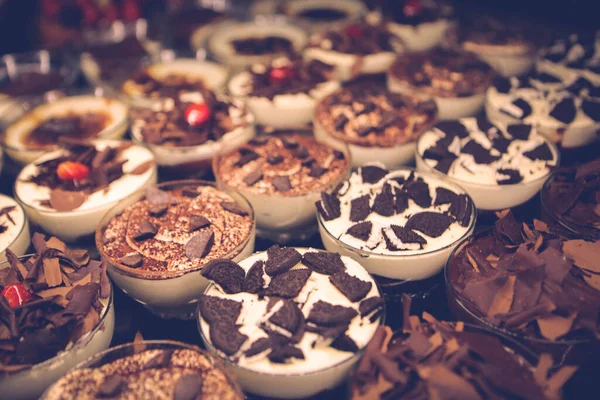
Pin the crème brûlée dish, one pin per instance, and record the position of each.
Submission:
(283, 93)
(67, 192)
(186, 131)
(376, 124)
(155, 244)
(148, 369)
(282, 175)
(40, 129)
(291, 322)
(456, 80)
(56, 310)
(499, 166)
(14, 228)
(398, 224)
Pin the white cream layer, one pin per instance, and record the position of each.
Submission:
(13, 230)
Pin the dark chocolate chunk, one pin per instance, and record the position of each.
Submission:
(289, 144)
(401, 201)
(361, 231)
(480, 154)
(253, 177)
(158, 210)
(444, 165)
(367, 306)
(338, 155)
(542, 152)
(340, 122)
(246, 157)
(487, 127)
(146, 230)
(444, 196)
(460, 208)
(430, 223)
(255, 281)
(132, 260)
(345, 343)
(372, 173)
(301, 152)
(191, 192)
(188, 387)
(564, 111)
(226, 274)
(275, 159)
(508, 176)
(524, 109)
(384, 202)
(364, 130)
(545, 77)
(234, 208)
(112, 386)
(199, 245)
(161, 360)
(510, 228)
(226, 337)
(324, 262)
(288, 284)
(388, 118)
(452, 129)
(198, 222)
(501, 143)
(502, 84)
(213, 308)
(360, 208)
(326, 314)
(368, 106)
(259, 141)
(316, 170)
(288, 317)
(329, 206)
(261, 345)
(281, 354)
(281, 260)
(353, 288)
(281, 183)
(519, 131)
(591, 109)
(419, 192)
(577, 86)
(155, 196)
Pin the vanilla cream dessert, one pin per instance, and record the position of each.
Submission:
(292, 321)
(400, 222)
(68, 191)
(14, 229)
(76, 117)
(565, 108)
(283, 93)
(577, 53)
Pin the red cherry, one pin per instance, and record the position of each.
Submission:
(281, 74)
(72, 171)
(355, 31)
(412, 8)
(16, 294)
(197, 114)
(130, 11)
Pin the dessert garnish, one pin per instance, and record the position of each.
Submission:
(70, 125)
(72, 171)
(530, 280)
(263, 45)
(48, 302)
(197, 114)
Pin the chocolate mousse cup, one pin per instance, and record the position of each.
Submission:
(456, 80)
(377, 125)
(302, 332)
(282, 176)
(30, 361)
(157, 241)
(143, 369)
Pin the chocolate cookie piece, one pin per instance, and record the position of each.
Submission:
(444, 165)
(501, 144)
(288, 317)
(564, 111)
(361, 231)
(281, 260)
(288, 284)
(367, 306)
(460, 208)
(275, 159)
(214, 308)
(261, 345)
(352, 287)
(345, 343)
(542, 152)
(591, 109)
(329, 206)
(199, 245)
(226, 337)
(198, 222)
(360, 208)
(405, 236)
(384, 202)
(430, 223)
(502, 84)
(326, 314)
(443, 196)
(487, 127)
(372, 173)
(234, 208)
(281, 354)
(226, 274)
(401, 201)
(146, 230)
(254, 281)
(519, 131)
(418, 191)
(545, 77)
(480, 154)
(519, 109)
(325, 263)
(452, 129)
(508, 176)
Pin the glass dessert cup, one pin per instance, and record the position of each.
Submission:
(411, 267)
(24, 115)
(31, 382)
(282, 218)
(113, 354)
(171, 294)
(20, 243)
(422, 37)
(493, 196)
(287, 385)
(74, 225)
(563, 351)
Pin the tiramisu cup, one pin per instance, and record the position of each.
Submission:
(282, 175)
(291, 322)
(375, 124)
(355, 49)
(240, 44)
(56, 311)
(283, 94)
(38, 128)
(14, 228)
(67, 192)
(499, 166)
(157, 245)
(186, 131)
(318, 15)
(564, 108)
(399, 224)
(457, 81)
(148, 369)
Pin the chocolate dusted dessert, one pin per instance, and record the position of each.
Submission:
(530, 281)
(572, 196)
(71, 125)
(269, 44)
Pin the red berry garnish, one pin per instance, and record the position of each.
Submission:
(130, 11)
(412, 8)
(355, 31)
(197, 114)
(72, 171)
(16, 294)
(281, 74)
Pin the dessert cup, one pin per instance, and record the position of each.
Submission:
(280, 217)
(171, 294)
(16, 237)
(422, 37)
(31, 382)
(117, 353)
(81, 222)
(507, 60)
(29, 113)
(413, 265)
(294, 382)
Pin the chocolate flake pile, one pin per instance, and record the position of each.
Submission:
(69, 126)
(369, 115)
(257, 46)
(361, 39)
(529, 280)
(65, 287)
(286, 319)
(5, 211)
(430, 359)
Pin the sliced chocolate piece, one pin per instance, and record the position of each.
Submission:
(246, 156)
(234, 208)
(388, 118)
(146, 230)
(132, 260)
(261, 345)
(213, 308)
(519, 131)
(326, 314)
(258, 141)
(155, 196)
(361, 231)
(430, 223)
(360, 208)
(444, 165)
(112, 386)
(419, 192)
(329, 206)
(404, 235)
(564, 111)
(591, 109)
(577, 86)
(281, 354)
(275, 159)
(199, 245)
(158, 210)
(282, 183)
(444, 196)
(502, 84)
(460, 208)
(253, 177)
(542, 152)
(281, 260)
(369, 305)
(487, 127)
(345, 343)
(480, 154)
(226, 337)
(316, 170)
(188, 387)
(161, 360)
(198, 222)
(508, 176)
(255, 281)
(501, 144)
(364, 130)
(301, 152)
(452, 129)
(352, 287)
(340, 122)
(288, 317)
(289, 144)
(384, 202)
(510, 228)
(401, 201)
(324, 262)
(372, 173)
(288, 284)
(226, 274)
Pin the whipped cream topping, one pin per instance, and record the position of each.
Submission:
(12, 219)
(318, 354)
(525, 151)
